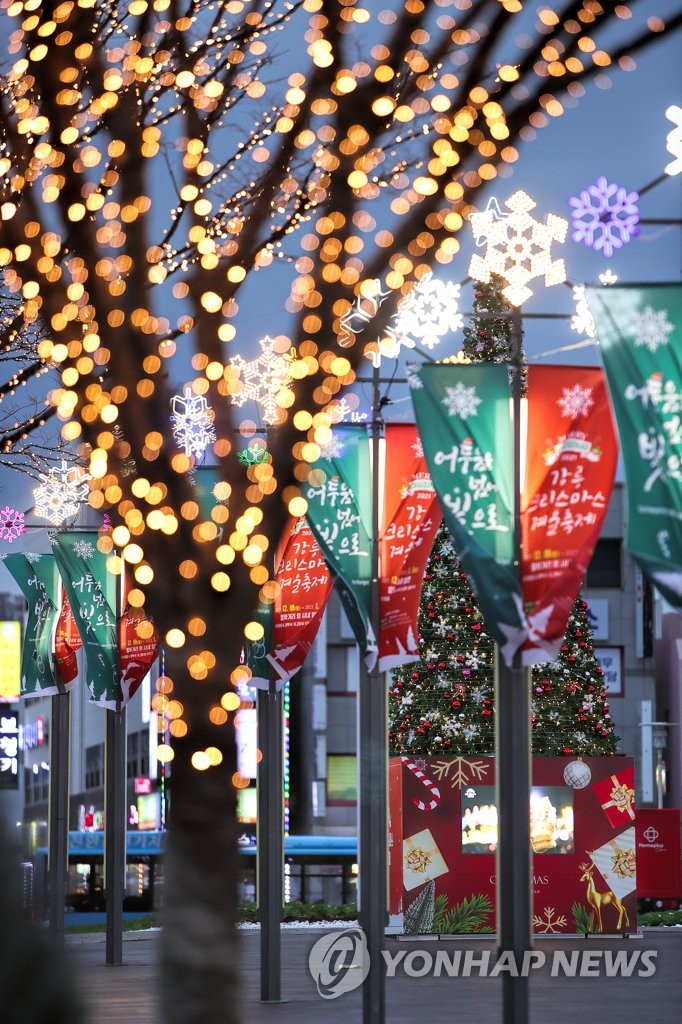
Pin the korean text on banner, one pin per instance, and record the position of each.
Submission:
(463, 415)
(92, 595)
(411, 516)
(339, 495)
(640, 340)
(304, 585)
(570, 467)
(38, 580)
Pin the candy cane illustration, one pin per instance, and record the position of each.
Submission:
(434, 790)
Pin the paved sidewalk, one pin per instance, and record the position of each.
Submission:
(125, 995)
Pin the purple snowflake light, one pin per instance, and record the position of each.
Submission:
(604, 217)
(11, 524)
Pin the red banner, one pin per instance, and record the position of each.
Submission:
(571, 464)
(138, 647)
(658, 854)
(67, 642)
(304, 587)
(411, 516)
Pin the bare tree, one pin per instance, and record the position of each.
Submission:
(27, 443)
(159, 158)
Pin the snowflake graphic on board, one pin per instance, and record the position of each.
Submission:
(83, 549)
(32, 557)
(461, 401)
(61, 493)
(412, 376)
(192, 423)
(549, 922)
(651, 328)
(604, 216)
(11, 524)
(575, 401)
(427, 313)
(418, 448)
(262, 379)
(518, 247)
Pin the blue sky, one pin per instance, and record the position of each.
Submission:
(618, 132)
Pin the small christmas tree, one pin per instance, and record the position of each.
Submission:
(443, 703)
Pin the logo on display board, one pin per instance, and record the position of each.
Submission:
(651, 834)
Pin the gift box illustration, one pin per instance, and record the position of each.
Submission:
(616, 794)
(422, 860)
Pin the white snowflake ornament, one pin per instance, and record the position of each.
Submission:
(263, 379)
(84, 549)
(11, 524)
(60, 493)
(517, 247)
(192, 423)
(461, 401)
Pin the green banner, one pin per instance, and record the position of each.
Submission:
(640, 338)
(464, 421)
(340, 514)
(38, 580)
(92, 594)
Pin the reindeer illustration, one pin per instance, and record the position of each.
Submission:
(601, 899)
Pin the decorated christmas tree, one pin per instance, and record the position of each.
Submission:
(444, 703)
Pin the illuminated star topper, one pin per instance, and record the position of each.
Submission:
(517, 247)
(61, 493)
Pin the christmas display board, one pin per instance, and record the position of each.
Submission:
(443, 836)
(659, 871)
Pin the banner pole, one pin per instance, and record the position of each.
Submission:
(373, 762)
(58, 812)
(513, 767)
(269, 845)
(115, 816)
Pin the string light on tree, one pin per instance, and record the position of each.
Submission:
(192, 423)
(518, 248)
(265, 380)
(61, 492)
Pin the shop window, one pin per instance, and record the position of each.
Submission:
(606, 567)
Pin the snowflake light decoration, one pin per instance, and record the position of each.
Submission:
(518, 247)
(608, 277)
(461, 401)
(673, 140)
(604, 216)
(427, 313)
(651, 328)
(582, 320)
(262, 379)
(61, 493)
(192, 422)
(575, 401)
(11, 524)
